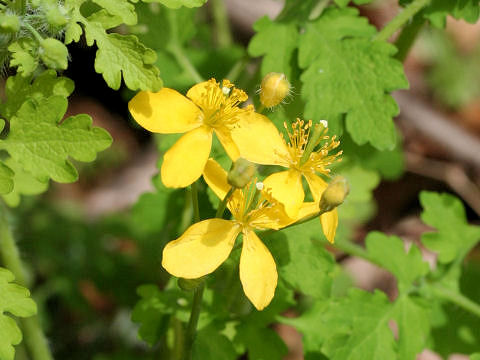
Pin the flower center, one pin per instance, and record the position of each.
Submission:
(219, 103)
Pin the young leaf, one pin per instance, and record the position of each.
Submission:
(389, 252)
(455, 237)
(23, 52)
(276, 42)
(342, 66)
(15, 300)
(18, 89)
(261, 343)
(41, 143)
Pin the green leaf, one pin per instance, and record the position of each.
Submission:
(302, 261)
(276, 42)
(124, 54)
(261, 343)
(25, 184)
(438, 10)
(18, 89)
(408, 310)
(342, 66)
(175, 4)
(41, 142)
(153, 312)
(356, 327)
(358, 205)
(455, 237)
(389, 252)
(343, 3)
(24, 57)
(211, 344)
(121, 8)
(6, 179)
(475, 356)
(15, 300)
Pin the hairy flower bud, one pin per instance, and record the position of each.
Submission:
(274, 88)
(334, 194)
(9, 23)
(241, 173)
(54, 53)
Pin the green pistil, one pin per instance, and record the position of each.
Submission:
(313, 141)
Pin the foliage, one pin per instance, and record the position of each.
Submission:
(99, 284)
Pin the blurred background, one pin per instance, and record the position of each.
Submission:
(89, 244)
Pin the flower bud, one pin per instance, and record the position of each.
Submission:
(54, 53)
(56, 16)
(190, 284)
(241, 173)
(334, 194)
(9, 23)
(274, 88)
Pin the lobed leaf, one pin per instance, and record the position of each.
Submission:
(175, 4)
(41, 142)
(121, 8)
(455, 237)
(347, 74)
(15, 300)
(276, 42)
(389, 252)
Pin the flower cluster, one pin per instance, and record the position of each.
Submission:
(277, 201)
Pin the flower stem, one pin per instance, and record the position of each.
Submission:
(398, 21)
(222, 25)
(456, 298)
(223, 204)
(33, 334)
(193, 321)
(407, 37)
(196, 211)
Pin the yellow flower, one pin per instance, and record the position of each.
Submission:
(208, 108)
(300, 158)
(207, 244)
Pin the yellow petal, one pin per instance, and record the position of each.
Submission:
(329, 221)
(225, 138)
(259, 141)
(258, 272)
(202, 248)
(183, 163)
(216, 178)
(166, 111)
(286, 187)
(197, 91)
(308, 209)
(316, 184)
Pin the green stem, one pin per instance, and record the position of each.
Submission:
(456, 298)
(196, 210)
(175, 48)
(179, 343)
(318, 9)
(398, 21)
(407, 37)
(34, 32)
(33, 334)
(223, 204)
(20, 6)
(193, 321)
(222, 25)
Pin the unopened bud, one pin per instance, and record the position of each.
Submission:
(334, 194)
(54, 54)
(274, 88)
(9, 23)
(190, 284)
(241, 173)
(56, 16)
